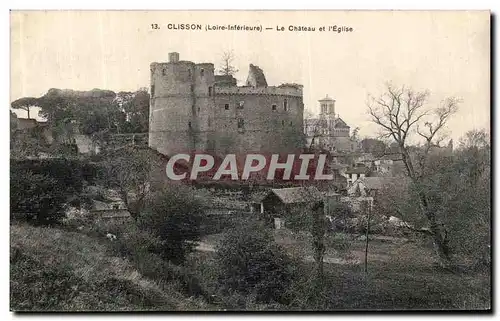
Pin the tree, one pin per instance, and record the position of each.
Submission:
(93, 111)
(251, 263)
(175, 216)
(136, 108)
(25, 103)
(318, 234)
(373, 146)
(227, 68)
(475, 139)
(401, 113)
(314, 130)
(130, 169)
(458, 189)
(355, 134)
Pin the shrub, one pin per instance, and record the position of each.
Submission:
(36, 197)
(175, 216)
(251, 263)
(139, 246)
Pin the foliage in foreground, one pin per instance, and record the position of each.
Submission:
(250, 263)
(36, 198)
(175, 216)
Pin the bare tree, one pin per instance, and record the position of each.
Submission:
(401, 113)
(227, 68)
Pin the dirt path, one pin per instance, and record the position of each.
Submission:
(205, 247)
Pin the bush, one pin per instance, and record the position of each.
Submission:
(36, 197)
(175, 216)
(139, 246)
(250, 263)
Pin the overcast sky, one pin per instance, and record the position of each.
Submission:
(447, 53)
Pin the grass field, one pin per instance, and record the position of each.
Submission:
(56, 269)
(401, 274)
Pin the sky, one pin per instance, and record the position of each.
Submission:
(445, 52)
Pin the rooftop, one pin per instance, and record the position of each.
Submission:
(294, 195)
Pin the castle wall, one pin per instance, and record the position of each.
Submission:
(264, 129)
(188, 112)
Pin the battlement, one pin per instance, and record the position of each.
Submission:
(249, 90)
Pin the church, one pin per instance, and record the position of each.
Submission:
(328, 131)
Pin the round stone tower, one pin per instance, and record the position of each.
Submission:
(177, 89)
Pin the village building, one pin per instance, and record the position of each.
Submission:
(280, 202)
(354, 173)
(368, 189)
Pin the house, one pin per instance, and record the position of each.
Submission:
(27, 125)
(366, 159)
(354, 173)
(389, 164)
(280, 201)
(366, 189)
(368, 186)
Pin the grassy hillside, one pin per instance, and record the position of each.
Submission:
(54, 270)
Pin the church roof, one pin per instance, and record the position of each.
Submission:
(341, 124)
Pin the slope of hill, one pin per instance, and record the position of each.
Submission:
(58, 270)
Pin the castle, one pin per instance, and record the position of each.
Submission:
(192, 109)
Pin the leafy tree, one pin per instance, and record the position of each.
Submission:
(25, 103)
(251, 263)
(374, 146)
(136, 108)
(93, 110)
(175, 216)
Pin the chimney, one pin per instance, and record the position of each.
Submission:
(173, 57)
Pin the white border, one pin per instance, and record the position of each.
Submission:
(189, 5)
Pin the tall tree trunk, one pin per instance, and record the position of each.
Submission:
(367, 234)
(439, 233)
(318, 234)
